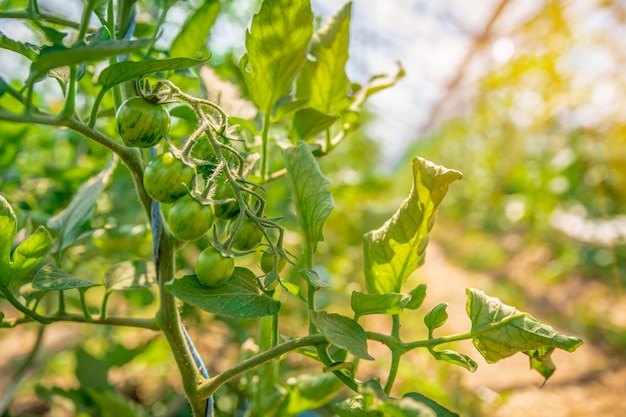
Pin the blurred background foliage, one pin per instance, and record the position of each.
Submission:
(532, 112)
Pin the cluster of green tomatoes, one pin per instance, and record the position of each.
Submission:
(167, 179)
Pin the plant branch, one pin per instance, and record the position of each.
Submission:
(211, 385)
(170, 323)
(45, 17)
(142, 323)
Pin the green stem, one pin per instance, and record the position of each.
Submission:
(21, 372)
(84, 20)
(41, 17)
(395, 355)
(170, 323)
(141, 323)
(8, 294)
(265, 146)
(70, 96)
(83, 304)
(308, 263)
(61, 303)
(105, 302)
(211, 385)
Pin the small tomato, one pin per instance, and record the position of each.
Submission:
(189, 219)
(142, 124)
(165, 177)
(214, 269)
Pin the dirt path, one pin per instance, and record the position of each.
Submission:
(587, 383)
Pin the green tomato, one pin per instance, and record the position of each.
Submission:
(248, 236)
(214, 269)
(267, 262)
(189, 219)
(229, 210)
(204, 151)
(165, 177)
(142, 124)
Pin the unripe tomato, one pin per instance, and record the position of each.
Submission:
(189, 219)
(248, 236)
(267, 262)
(214, 269)
(225, 211)
(204, 151)
(165, 176)
(142, 124)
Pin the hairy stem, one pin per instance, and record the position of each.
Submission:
(170, 323)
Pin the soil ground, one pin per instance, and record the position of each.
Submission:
(589, 382)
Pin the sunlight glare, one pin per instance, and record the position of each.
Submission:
(502, 50)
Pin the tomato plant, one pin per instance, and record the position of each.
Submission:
(298, 105)
(142, 124)
(213, 269)
(166, 178)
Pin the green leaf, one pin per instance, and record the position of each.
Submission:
(353, 407)
(286, 107)
(308, 392)
(505, 331)
(440, 410)
(392, 303)
(376, 84)
(310, 275)
(312, 200)
(51, 278)
(309, 122)
(54, 36)
(128, 70)
(239, 297)
(27, 255)
(417, 297)
(455, 358)
(405, 407)
(192, 38)
(8, 229)
(373, 402)
(129, 275)
(24, 49)
(398, 248)
(343, 332)
(541, 361)
(436, 317)
(276, 48)
(73, 222)
(59, 56)
(91, 372)
(323, 80)
(113, 404)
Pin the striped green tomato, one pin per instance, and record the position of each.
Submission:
(228, 210)
(248, 235)
(142, 124)
(189, 219)
(166, 178)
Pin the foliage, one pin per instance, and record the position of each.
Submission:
(92, 233)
